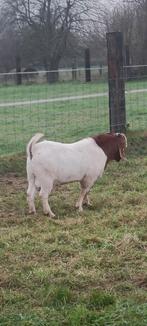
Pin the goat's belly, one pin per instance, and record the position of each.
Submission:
(71, 176)
(67, 177)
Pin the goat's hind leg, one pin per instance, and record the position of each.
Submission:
(44, 193)
(31, 192)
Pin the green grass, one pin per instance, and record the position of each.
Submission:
(29, 92)
(66, 120)
(80, 269)
(40, 91)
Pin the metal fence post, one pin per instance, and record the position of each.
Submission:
(87, 65)
(117, 112)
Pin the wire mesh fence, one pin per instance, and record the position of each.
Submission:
(136, 96)
(67, 109)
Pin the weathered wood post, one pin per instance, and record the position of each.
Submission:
(127, 55)
(127, 69)
(18, 71)
(74, 71)
(101, 69)
(87, 65)
(117, 112)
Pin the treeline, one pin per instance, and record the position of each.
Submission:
(48, 34)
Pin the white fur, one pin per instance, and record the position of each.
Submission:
(50, 163)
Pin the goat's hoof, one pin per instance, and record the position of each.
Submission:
(88, 204)
(52, 215)
(31, 211)
(80, 210)
(77, 205)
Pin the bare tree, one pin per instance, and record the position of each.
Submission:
(50, 23)
(130, 17)
(9, 39)
(141, 31)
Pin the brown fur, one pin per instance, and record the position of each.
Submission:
(112, 144)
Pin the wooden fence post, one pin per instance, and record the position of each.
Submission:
(74, 71)
(127, 70)
(117, 112)
(127, 55)
(18, 70)
(87, 65)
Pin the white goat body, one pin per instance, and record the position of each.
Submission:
(50, 163)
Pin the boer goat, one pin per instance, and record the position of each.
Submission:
(50, 163)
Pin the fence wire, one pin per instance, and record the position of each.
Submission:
(136, 97)
(66, 109)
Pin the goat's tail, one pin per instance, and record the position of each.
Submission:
(31, 144)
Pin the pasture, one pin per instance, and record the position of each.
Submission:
(79, 269)
(65, 111)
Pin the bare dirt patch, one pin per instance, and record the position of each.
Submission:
(14, 181)
(12, 192)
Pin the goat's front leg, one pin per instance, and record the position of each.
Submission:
(86, 184)
(86, 200)
(79, 203)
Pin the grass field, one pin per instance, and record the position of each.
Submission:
(80, 269)
(66, 120)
